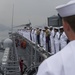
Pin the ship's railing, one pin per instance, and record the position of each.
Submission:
(33, 54)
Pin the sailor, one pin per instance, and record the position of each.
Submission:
(52, 40)
(38, 36)
(21, 32)
(26, 33)
(63, 62)
(41, 37)
(56, 39)
(47, 39)
(63, 38)
(32, 35)
(44, 40)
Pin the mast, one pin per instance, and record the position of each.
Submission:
(12, 19)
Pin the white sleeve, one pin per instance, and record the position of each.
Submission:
(43, 69)
(52, 66)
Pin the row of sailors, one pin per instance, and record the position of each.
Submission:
(51, 39)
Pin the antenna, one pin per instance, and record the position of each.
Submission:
(12, 19)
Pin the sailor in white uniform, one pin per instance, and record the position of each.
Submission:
(52, 40)
(41, 37)
(44, 40)
(63, 38)
(63, 62)
(32, 35)
(21, 32)
(56, 40)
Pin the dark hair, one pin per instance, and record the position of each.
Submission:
(71, 21)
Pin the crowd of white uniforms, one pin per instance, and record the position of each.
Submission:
(52, 39)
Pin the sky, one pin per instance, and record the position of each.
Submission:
(35, 11)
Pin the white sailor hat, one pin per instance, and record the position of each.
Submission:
(51, 26)
(61, 27)
(56, 27)
(66, 9)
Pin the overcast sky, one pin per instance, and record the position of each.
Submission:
(36, 11)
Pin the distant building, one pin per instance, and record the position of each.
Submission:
(54, 21)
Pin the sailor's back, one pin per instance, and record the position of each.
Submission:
(62, 63)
